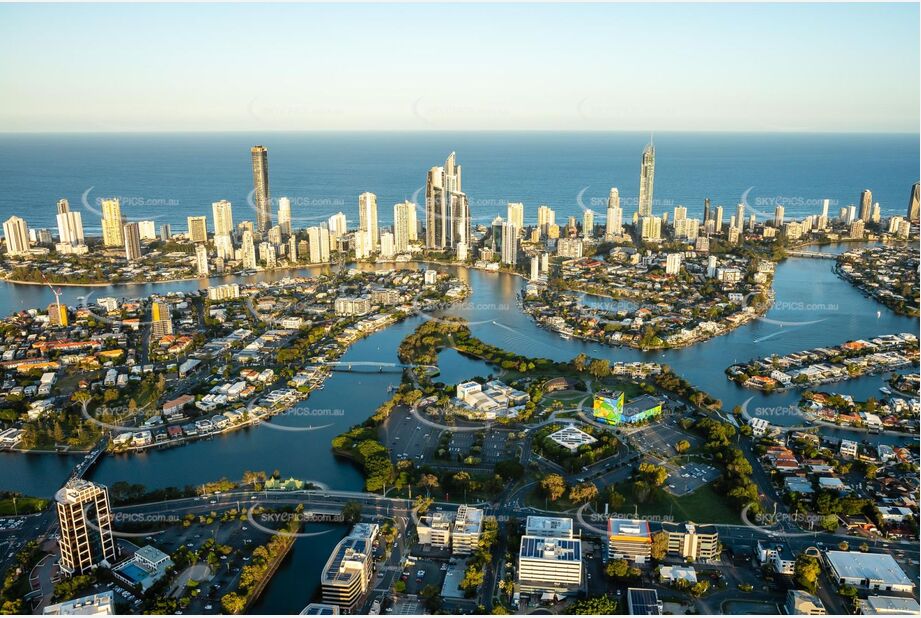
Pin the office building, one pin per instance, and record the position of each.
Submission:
(347, 574)
(691, 541)
(629, 539)
(468, 526)
(198, 228)
(112, 223)
(516, 214)
(447, 212)
(16, 234)
(549, 565)
(647, 179)
(435, 530)
(318, 244)
(132, 236)
(85, 521)
(261, 202)
(404, 225)
(549, 527)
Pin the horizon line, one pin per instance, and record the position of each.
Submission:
(422, 131)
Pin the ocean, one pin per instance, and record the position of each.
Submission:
(169, 176)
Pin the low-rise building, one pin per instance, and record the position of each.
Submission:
(866, 570)
(643, 602)
(629, 539)
(889, 606)
(549, 565)
(465, 533)
(99, 604)
(801, 603)
(692, 541)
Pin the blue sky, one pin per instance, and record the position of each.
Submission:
(660, 67)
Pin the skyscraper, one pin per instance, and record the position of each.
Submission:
(132, 236)
(404, 225)
(16, 234)
(198, 228)
(201, 260)
(647, 180)
(223, 218)
(85, 520)
(778, 216)
(706, 210)
(866, 205)
(367, 219)
(338, 226)
(509, 244)
(740, 215)
(261, 188)
(516, 214)
(318, 247)
(913, 204)
(63, 206)
(614, 223)
(248, 250)
(546, 217)
(588, 224)
(447, 213)
(718, 220)
(112, 223)
(284, 216)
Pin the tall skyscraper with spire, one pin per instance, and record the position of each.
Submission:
(261, 188)
(447, 213)
(647, 179)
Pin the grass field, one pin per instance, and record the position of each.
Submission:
(24, 505)
(704, 506)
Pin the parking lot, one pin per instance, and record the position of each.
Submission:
(423, 573)
(407, 438)
(689, 477)
(659, 439)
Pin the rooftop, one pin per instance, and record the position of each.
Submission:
(873, 567)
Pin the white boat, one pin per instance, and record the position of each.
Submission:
(885, 390)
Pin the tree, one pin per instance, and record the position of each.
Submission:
(233, 603)
(399, 586)
(351, 512)
(700, 588)
(583, 492)
(682, 446)
(595, 606)
(617, 569)
(553, 486)
(659, 545)
(615, 498)
(806, 572)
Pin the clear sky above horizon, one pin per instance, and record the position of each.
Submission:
(658, 67)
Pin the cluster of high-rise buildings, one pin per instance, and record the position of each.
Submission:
(446, 225)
